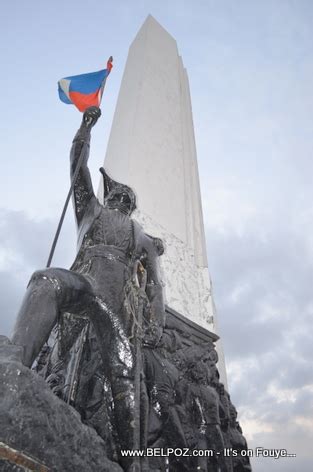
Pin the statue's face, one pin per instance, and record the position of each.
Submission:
(119, 199)
(197, 371)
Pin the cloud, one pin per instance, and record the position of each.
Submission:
(24, 247)
(261, 267)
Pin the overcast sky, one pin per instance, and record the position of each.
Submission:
(250, 66)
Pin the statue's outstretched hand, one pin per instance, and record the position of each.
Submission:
(91, 116)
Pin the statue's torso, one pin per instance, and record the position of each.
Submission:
(202, 403)
(110, 228)
(107, 237)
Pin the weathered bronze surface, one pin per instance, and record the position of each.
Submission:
(140, 374)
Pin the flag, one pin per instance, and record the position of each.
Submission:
(84, 90)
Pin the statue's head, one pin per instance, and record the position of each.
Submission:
(117, 196)
(197, 371)
(121, 198)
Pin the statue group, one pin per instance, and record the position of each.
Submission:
(103, 340)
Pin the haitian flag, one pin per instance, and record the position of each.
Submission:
(84, 90)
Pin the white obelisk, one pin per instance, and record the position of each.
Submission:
(152, 149)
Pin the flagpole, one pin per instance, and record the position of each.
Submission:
(56, 237)
(79, 163)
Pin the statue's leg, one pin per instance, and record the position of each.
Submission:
(118, 356)
(144, 414)
(115, 328)
(49, 293)
(215, 439)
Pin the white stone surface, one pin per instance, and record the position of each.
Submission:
(186, 285)
(152, 149)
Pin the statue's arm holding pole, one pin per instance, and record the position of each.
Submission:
(80, 175)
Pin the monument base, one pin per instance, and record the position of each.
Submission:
(40, 432)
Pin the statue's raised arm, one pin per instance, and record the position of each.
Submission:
(83, 191)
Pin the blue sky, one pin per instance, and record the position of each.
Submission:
(250, 68)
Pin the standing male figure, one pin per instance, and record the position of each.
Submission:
(201, 409)
(109, 243)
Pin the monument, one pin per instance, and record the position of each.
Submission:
(112, 364)
(157, 158)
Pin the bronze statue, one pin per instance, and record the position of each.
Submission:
(202, 412)
(110, 244)
(138, 378)
(241, 462)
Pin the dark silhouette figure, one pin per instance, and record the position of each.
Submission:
(110, 243)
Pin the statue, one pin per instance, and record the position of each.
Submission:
(165, 429)
(139, 374)
(224, 409)
(202, 412)
(241, 462)
(110, 245)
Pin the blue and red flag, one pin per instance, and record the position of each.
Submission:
(84, 90)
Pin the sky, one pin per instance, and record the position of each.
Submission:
(250, 66)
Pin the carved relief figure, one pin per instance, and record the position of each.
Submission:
(202, 409)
